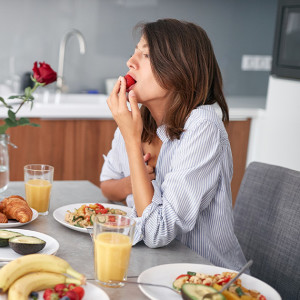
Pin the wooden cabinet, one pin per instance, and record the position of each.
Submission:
(238, 133)
(75, 148)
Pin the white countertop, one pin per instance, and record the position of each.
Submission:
(94, 106)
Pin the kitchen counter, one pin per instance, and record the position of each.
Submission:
(94, 106)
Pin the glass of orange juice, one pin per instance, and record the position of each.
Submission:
(113, 236)
(38, 183)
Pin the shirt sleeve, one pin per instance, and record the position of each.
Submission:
(112, 167)
(187, 189)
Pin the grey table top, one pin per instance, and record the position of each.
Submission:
(77, 247)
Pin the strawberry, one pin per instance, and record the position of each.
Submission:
(80, 291)
(72, 295)
(129, 81)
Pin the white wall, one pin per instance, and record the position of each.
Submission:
(275, 135)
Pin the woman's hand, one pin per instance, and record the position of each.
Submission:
(150, 169)
(129, 122)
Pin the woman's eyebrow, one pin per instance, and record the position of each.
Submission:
(143, 47)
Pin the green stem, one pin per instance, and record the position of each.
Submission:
(26, 99)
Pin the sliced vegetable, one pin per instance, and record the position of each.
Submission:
(227, 294)
(224, 280)
(239, 291)
(191, 291)
(192, 273)
(5, 235)
(180, 280)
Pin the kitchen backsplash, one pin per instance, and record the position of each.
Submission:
(32, 30)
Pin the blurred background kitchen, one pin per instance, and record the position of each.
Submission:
(77, 128)
(32, 30)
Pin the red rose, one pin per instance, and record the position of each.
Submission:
(44, 73)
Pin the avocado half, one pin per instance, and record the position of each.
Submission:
(191, 291)
(26, 244)
(5, 235)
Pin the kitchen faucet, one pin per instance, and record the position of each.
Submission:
(62, 49)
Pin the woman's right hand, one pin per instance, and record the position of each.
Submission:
(129, 121)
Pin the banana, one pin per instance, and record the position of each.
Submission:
(35, 263)
(37, 281)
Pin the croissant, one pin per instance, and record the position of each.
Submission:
(16, 208)
(1, 207)
(3, 218)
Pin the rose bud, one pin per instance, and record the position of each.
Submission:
(43, 73)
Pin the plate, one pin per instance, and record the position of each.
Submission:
(52, 245)
(166, 274)
(91, 292)
(59, 213)
(14, 223)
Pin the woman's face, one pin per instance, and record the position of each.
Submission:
(146, 87)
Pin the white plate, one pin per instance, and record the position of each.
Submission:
(52, 245)
(14, 223)
(59, 213)
(166, 274)
(91, 292)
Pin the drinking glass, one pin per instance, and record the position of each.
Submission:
(38, 184)
(113, 236)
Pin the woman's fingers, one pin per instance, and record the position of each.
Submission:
(147, 157)
(134, 105)
(151, 172)
(117, 99)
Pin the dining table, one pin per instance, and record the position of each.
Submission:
(77, 247)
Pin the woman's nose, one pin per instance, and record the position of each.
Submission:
(131, 62)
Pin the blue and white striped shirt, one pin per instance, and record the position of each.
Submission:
(192, 194)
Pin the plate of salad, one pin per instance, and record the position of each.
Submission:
(79, 216)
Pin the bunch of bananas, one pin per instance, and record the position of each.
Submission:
(36, 272)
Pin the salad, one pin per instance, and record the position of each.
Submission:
(84, 215)
(194, 284)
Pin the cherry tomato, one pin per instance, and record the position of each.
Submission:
(80, 291)
(99, 205)
(182, 275)
(103, 211)
(111, 219)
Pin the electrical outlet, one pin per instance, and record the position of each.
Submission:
(256, 62)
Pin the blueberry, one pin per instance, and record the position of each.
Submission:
(65, 298)
(34, 295)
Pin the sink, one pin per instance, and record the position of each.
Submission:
(71, 99)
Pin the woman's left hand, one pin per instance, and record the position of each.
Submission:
(129, 122)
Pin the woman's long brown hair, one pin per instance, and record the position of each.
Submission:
(183, 62)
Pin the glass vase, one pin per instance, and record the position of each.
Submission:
(4, 162)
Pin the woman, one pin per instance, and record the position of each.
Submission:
(173, 155)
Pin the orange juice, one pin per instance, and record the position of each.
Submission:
(112, 253)
(38, 194)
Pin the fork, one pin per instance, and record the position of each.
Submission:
(149, 284)
(211, 295)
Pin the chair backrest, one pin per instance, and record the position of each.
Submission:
(267, 225)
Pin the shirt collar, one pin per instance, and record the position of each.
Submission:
(162, 133)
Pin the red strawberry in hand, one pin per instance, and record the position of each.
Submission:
(129, 81)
